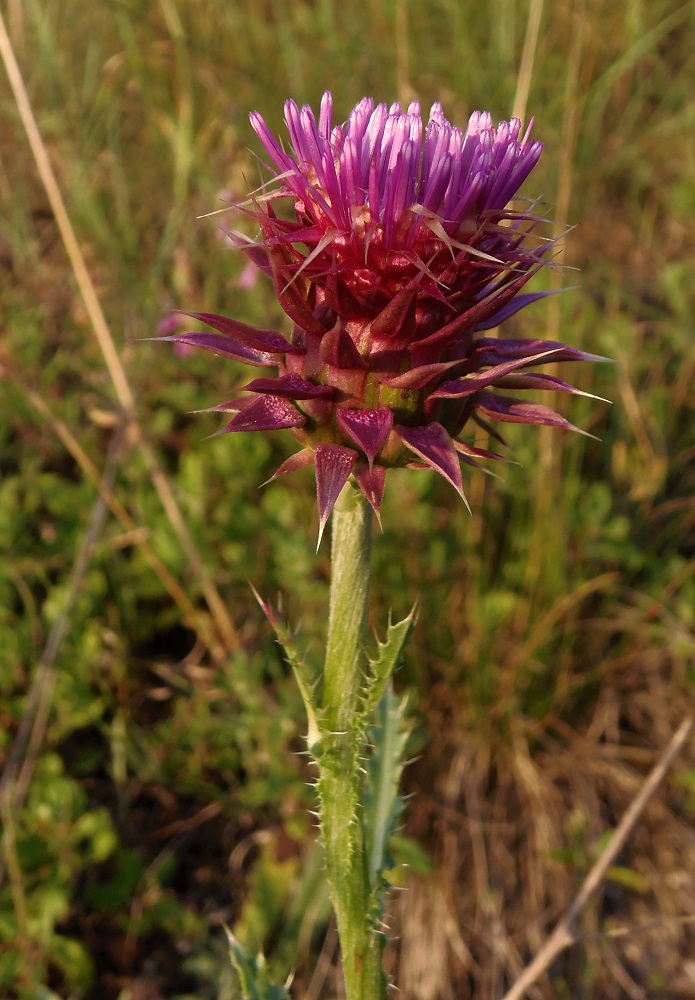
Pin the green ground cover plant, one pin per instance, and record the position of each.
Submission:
(153, 787)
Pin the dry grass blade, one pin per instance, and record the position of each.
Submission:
(105, 340)
(10, 858)
(523, 85)
(323, 963)
(615, 933)
(564, 934)
(548, 443)
(403, 86)
(528, 54)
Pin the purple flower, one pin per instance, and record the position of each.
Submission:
(401, 252)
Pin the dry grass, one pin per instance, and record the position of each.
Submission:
(514, 832)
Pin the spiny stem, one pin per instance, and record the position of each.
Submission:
(351, 545)
(340, 781)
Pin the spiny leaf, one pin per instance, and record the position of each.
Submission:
(382, 667)
(285, 636)
(383, 804)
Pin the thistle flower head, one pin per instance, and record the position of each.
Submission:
(400, 253)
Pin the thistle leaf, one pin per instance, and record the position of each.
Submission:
(383, 804)
(252, 973)
(383, 666)
(286, 638)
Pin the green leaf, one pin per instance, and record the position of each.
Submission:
(628, 879)
(383, 804)
(96, 830)
(407, 852)
(383, 666)
(253, 975)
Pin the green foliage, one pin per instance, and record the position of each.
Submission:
(269, 888)
(56, 839)
(383, 803)
(286, 905)
(253, 975)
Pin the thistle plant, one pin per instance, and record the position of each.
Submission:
(400, 255)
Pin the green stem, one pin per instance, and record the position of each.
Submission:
(351, 545)
(342, 748)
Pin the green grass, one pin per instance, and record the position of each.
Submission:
(163, 794)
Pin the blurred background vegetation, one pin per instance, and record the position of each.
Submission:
(152, 786)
